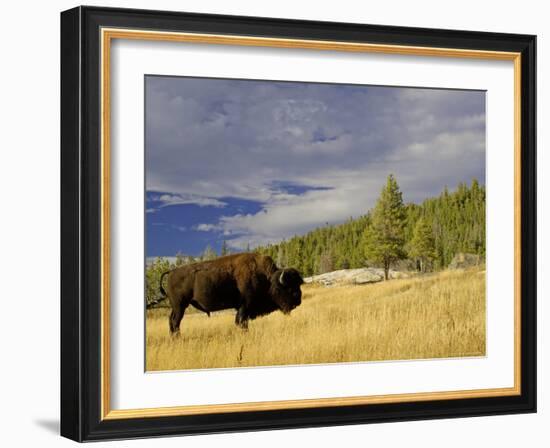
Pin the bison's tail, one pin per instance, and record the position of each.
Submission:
(162, 290)
(163, 294)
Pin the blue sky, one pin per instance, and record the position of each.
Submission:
(253, 162)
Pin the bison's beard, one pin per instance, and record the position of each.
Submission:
(288, 307)
(285, 308)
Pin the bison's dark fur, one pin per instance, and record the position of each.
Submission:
(250, 283)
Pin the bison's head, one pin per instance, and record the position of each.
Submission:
(285, 289)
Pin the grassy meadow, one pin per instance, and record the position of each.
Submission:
(430, 316)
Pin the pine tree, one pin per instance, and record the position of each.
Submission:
(180, 259)
(326, 262)
(209, 253)
(384, 238)
(225, 249)
(422, 245)
(281, 259)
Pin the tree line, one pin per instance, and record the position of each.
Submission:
(422, 236)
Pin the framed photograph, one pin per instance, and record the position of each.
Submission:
(274, 223)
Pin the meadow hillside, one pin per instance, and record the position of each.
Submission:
(435, 315)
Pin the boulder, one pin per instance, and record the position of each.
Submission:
(359, 276)
(368, 277)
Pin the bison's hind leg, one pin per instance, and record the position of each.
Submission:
(174, 322)
(175, 318)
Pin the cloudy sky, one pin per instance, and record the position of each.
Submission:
(253, 162)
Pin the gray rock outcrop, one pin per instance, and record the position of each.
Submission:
(360, 276)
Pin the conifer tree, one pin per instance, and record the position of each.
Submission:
(384, 238)
(225, 249)
(326, 262)
(281, 256)
(180, 259)
(422, 245)
(209, 253)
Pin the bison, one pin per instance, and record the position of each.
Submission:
(249, 283)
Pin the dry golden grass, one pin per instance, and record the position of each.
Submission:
(430, 316)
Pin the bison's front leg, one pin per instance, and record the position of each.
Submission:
(241, 318)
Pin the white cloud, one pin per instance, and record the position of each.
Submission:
(206, 227)
(180, 199)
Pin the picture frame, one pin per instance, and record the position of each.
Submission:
(87, 174)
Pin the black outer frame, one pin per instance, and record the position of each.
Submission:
(80, 224)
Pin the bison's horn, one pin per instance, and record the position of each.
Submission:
(282, 278)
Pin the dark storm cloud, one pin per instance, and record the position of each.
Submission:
(209, 139)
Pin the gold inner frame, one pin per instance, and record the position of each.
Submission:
(107, 35)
